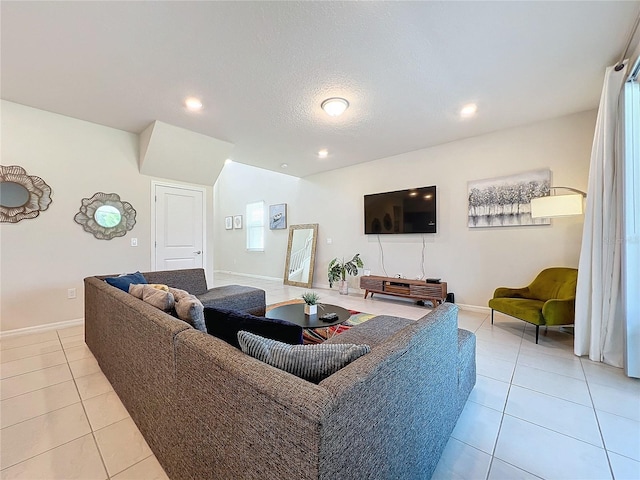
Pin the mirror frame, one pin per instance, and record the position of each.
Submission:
(39, 194)
(86, 216)
(292, 229)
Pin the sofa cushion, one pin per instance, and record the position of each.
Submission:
(225, 324)
(123, 281)
(310, 362)
(235, 297)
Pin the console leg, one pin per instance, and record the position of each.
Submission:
(537, 330)
(492, 316)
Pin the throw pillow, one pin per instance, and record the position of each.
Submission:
(123, 281)
(310, 362)
(160, 286)
(191, 310)
(136, 289)
(226, 324)
(177, 293)
(151, 295)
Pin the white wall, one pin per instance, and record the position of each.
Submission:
(474, 261)
(43, 257)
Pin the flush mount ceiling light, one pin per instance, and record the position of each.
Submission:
(335, 106)
(193, 104)
(323, 153)
(284, 165)
(469, 110)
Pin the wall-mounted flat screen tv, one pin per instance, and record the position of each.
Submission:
(403, 211)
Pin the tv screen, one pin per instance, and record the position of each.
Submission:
(403, 211)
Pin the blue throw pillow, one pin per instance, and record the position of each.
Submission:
(123, 281)
(225, 324)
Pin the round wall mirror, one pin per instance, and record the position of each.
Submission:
(22, 196)
(105, 216)
(13, 194)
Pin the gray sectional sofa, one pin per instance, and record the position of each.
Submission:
(209, 411)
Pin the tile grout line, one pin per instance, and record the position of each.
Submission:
(595, 414)
(95, 440)
(504, 408)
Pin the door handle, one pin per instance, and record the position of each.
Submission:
(198, 252)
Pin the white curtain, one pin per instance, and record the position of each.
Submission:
(599, 315)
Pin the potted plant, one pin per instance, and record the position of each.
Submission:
(338, 272)
(310, 303)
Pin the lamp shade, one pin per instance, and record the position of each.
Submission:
(557, 206)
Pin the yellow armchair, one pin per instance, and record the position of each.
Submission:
(548, 300)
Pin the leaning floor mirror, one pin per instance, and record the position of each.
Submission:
(301, 255)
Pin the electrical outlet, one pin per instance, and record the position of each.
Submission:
(399, 275)
(71, 293)
(329, 241)
(134, 242)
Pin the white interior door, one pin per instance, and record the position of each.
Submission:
(179, 227)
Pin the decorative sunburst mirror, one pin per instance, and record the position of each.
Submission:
(22, 196)
(105, 216)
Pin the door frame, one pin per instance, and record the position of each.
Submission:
(154, 185)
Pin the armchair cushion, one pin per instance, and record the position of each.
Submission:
(523, 308)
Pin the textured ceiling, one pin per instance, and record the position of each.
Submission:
(262, 69)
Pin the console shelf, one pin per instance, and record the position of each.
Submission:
(436, 293)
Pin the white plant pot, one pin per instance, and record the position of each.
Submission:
(310, 309)
(344, 287)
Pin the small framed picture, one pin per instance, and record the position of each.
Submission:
(278, 216)
(228, 223)
(237, 222)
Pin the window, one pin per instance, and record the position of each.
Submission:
(631, 226)
(255, 227)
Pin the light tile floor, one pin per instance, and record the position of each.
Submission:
(537, 411)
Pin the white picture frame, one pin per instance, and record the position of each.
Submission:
(278, 216)
(228, 223)
(237, 222)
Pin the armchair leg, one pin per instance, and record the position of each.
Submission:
(537, 331)
(492, 316)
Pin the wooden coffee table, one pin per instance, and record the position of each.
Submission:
(294, 313)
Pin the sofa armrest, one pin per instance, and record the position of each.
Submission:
(243, 415)
(396, 403)
(504, 292)
(559, 311)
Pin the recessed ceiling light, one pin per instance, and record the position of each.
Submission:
(193, 104)
(335, 106)
(469, 110)
(323, 153)
(228, 161)
(284, 165)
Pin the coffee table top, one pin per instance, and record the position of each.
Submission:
(294, 313)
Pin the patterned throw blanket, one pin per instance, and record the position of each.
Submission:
(319, 335)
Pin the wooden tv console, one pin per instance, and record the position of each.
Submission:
(436, 293)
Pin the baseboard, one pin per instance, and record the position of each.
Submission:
(474, 308)
(42, 328)
(261, 277)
